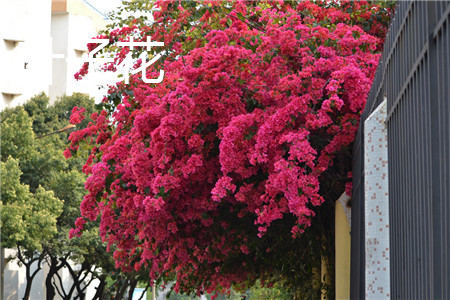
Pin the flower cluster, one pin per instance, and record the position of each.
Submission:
(237, 136)
(77, 115)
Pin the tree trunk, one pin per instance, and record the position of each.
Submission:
(26, 296)
(100, 289)
(146, 288)
(121, 289)
(54, 268)
(133, 283)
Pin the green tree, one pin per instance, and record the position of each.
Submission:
(27, 219)
(65, 178)
(36, 181)
(276, 292)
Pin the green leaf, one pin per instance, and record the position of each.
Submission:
(162, 193)
(251, 133)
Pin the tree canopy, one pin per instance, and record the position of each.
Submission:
(27, 218)
(216, 176)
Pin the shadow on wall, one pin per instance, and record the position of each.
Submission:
(10, 285)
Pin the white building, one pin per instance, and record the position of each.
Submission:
(41, 43)
(25, 50)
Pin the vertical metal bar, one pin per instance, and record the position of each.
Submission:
(355, 267)
(435, 164)
(417, 182)
(445, 150)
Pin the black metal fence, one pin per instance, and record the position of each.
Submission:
(414, 76)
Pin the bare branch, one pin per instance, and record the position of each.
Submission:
(61, 284)
(143, 293)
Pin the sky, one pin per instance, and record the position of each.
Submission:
(104, 6)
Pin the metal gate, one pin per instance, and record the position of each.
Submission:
(414, 76)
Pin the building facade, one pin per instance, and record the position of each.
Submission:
(73, 23)
(25, 50)
(42, 46)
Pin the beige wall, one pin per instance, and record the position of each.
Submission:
(59, 6)
(342, 246)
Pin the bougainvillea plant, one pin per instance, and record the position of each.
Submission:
(258, 101)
